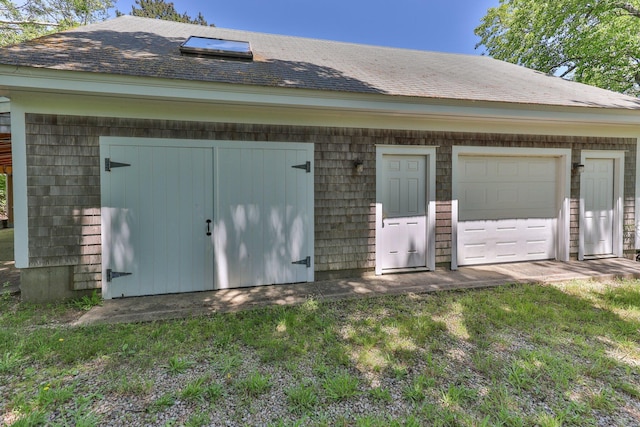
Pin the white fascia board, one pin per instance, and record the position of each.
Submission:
(187, 110)
(57, 81)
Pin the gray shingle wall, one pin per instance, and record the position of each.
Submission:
(63, 184)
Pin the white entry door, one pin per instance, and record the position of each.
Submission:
(598, 192)
(155, 204)
(404, 215)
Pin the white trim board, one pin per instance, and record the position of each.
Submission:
(426, 116)
(20, 201)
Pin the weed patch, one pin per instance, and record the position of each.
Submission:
(341, 386)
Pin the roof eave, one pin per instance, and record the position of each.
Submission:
(25, 79)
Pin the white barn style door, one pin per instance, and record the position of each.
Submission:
(264, 214)
(184, 216)
(155, 203)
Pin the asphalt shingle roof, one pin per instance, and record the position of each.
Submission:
(150, 48)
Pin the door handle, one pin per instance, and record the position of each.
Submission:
(208, 227)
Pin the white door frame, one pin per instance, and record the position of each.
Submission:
(563, 193)
(618, 199)
(430, 209)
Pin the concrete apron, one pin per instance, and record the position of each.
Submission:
(160, 307)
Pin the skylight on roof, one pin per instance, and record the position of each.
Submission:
(217, 47)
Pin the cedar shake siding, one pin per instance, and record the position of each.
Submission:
(63, 184)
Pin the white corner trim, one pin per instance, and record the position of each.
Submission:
(20, 208)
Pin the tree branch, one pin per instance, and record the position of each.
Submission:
(42, 24)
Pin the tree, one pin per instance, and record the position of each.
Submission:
(596, 42)
(159, 9)
(27, 19)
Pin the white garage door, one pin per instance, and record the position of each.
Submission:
(209, 215)
(508, 209)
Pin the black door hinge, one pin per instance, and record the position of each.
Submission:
(108, 164)
(305, 167)
(306, 261)
(115, 274)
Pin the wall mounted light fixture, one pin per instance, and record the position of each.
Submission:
(358, 165)
(577, 167)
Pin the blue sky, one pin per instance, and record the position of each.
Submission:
(438, 25)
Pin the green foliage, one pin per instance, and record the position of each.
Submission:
(52, 396)
(20, 21)
(416, 391)
(341, 386)
(380, 394)
(255, 384)
(301, 398)
(214, 391)
(33, 418)
(134, 385)
(167, 400)
(198, 420)
(196, 390)
(593, 42)
(178, 365)
(87, 302)
(629, 389)
(9, 361)
(458, 395)
(159, 9)
(603, 400)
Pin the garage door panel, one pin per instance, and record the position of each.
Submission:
(483, 242)
(507, 209)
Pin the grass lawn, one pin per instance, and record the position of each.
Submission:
(521, 355)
